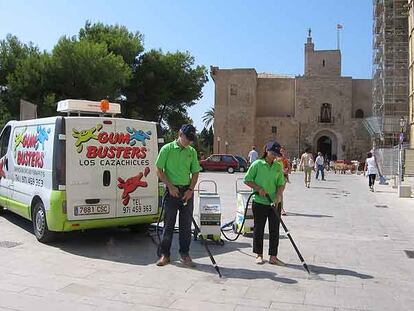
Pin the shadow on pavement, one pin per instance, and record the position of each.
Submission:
(307, 215)
(119, 244)
(240, 273)
(331, 271)
(326, 188)
(385, 191)
(124, 246)
(18, 221)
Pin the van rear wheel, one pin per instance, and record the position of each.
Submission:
(40, 228)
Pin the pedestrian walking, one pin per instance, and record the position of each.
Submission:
(286, 171)
(178, 168)
(294, 164)
(320, 166)
(371, 169)
(265, 176)
(306, 164)
(253, 155)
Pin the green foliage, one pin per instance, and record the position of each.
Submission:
(117, 39)
(11, 52)
(5, 115)
(85, 70)
(206, 140)
(104, 61)
(165, 85)
(208, 118)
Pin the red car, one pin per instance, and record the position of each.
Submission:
(220, 162)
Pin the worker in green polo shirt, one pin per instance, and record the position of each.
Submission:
(178, 168)
(265, 176)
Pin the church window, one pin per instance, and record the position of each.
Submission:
(233, 89)
(274, 130)
(359, 114)
(326, 113)
(323, 63)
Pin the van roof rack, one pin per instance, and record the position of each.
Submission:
(79, 107)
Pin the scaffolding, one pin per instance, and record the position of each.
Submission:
(390, 69)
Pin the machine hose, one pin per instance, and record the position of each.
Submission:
(232, 222)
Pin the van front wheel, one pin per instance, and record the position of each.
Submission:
(40, 228)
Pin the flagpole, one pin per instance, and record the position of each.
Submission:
(338, 28)
(337, 37)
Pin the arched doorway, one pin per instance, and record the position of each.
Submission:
(324, 145)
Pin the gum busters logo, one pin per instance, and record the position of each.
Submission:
(114, 148)
(31, 147)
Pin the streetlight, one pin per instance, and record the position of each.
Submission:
(218, 144)
(227, 146)
(401, 139)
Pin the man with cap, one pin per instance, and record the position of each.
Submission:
(265, 176)
(178, 168)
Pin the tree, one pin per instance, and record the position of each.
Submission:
(165, 85)
(86, 70)
(208, 118)
(118, 40)
(31, 81)
(11, 52)
(103, 61)
(206, 139)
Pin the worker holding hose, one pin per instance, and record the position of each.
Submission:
(266, 177)
(178, 168)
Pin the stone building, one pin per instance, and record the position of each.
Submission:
(321, 109)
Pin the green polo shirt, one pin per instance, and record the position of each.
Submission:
(178, 163)
(269, 177)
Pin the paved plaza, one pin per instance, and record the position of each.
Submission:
(354, 242)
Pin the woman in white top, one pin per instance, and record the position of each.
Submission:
(371, 170)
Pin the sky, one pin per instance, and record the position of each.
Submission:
(262, 34)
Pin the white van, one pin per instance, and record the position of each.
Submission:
(74, 172)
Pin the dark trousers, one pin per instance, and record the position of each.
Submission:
(261, 213)
(371, 179)
(320, 168)
(171, 207)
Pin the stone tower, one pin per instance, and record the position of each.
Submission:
(322, 62)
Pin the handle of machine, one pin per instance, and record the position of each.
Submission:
(208, 181)
(237, 185)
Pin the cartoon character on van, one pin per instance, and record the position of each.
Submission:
(19, 139)
(2, 173)
(42, 136)
(85, 136)
(131, 184)
(138, 135)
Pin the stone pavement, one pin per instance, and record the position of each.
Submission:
(352, 239)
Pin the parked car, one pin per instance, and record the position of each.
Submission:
(220, 162)
(242, 163)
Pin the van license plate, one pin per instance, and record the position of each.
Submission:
(92, 209)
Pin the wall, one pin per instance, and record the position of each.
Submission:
(287, 133)
(315, 63)
(362, 96)
(275, 97)
(235, 109)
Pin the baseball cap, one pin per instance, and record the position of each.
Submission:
(189, 131)
(273, 146)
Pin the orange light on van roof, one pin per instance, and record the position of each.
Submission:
(104, 105)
